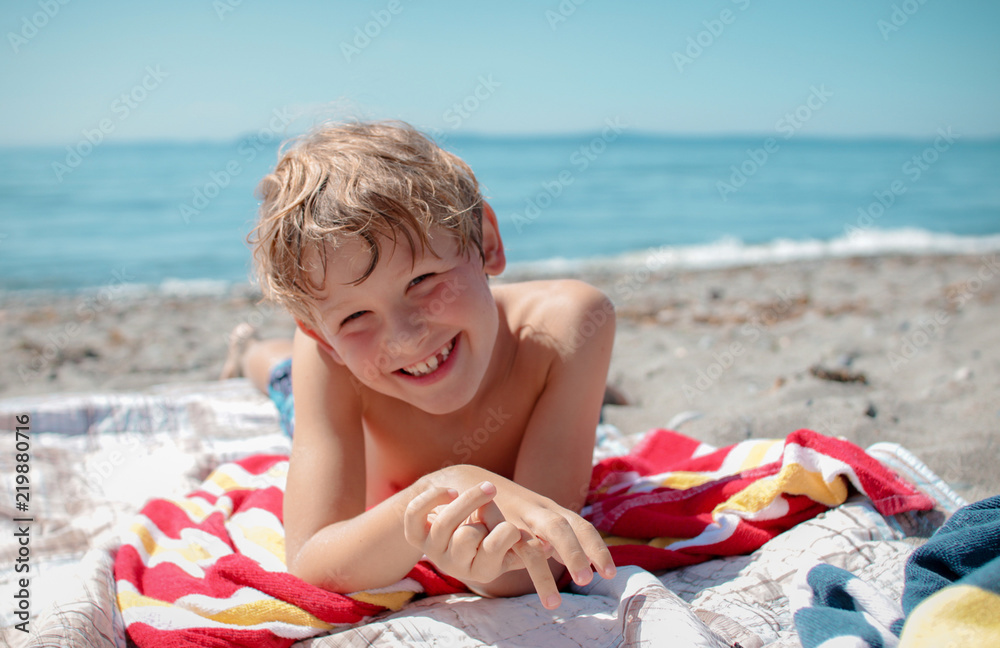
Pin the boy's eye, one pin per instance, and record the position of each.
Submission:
(352, 317)
(421, 278)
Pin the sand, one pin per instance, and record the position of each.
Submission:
(891, 348)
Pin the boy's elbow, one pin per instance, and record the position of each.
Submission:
(331, 578)
(297, 572)
(598, 314)
(300, 569)
(604, 308)
(294, 563)
(597, 307)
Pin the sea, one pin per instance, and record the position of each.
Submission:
(174, 216)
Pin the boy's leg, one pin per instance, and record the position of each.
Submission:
(261, 357)
(254, 358)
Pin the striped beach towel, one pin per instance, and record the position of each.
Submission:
(208, 569)
(691, 502)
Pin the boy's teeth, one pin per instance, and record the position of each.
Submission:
(431, 364)
(424, 367)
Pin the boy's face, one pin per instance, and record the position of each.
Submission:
(419, 328)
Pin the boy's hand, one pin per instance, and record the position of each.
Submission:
(572, 540)
(466, 536)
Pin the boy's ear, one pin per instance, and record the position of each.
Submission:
(493, 254)
(321, 342)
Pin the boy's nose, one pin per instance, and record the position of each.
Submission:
(405, 333)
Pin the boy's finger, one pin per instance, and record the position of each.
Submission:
(415, 527)
(604, 562)
(457, 512)
(497, 556)
(578, 545)
(532, 555)
(465, 544)
(490, 514)
(598, 551)
(569, 550)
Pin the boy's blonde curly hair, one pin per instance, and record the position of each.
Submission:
(373, 180)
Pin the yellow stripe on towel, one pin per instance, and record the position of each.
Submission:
(128, 600)
(391, 600)
(792, 480)
(267, 538)
(225, 481)
(755, 457)
(683, 480)
(194, 510)
(268, 611)
(192, 552)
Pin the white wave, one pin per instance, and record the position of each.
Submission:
(194, 287)
(732, 252)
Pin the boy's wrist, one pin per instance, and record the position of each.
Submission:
(457, 476)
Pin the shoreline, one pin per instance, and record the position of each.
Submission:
(725, 353)
(859, 240)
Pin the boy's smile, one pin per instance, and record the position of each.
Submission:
(433, 365)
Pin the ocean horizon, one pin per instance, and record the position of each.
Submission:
(174, 216)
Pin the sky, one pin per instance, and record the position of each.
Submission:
(221, 69)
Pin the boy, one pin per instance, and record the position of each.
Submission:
(435, 417)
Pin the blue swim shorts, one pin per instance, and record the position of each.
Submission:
(279, 388)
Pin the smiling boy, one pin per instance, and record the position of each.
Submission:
(436, 416)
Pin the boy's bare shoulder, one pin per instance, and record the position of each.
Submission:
(560, 310)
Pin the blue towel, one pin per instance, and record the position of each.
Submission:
(951, 594)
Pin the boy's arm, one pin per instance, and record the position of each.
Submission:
(334, 543)
(556, 452)
(562, 428)
(331, 541)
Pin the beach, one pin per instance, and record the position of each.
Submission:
(887, 348)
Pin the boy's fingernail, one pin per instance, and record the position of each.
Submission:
(488, 488)
(583, 577)
(552, 601)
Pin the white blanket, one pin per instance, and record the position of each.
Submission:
(88, 453)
